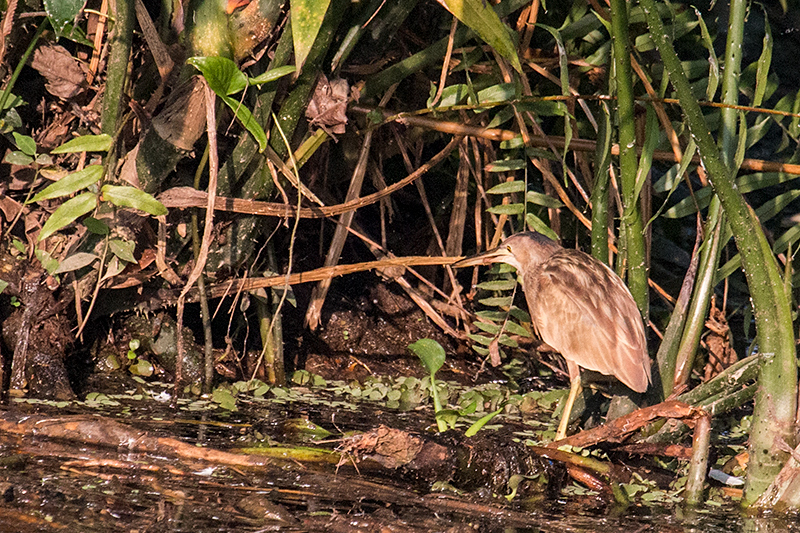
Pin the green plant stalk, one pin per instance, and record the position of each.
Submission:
(378, 83)
(631, 220)
(21, 64)
(716, 217)
(205, 313)
(667, 351)
(699, 304)
(118, 60)
(258, 185)
(271, 329)
(437, 404)
(602, 158)
(731, 379)
(295, 104)
(776, 400)
(698, 466)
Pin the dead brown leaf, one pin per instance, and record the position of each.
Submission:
(66, 77)
(328, 106)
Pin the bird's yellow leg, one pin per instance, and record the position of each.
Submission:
(574, 390)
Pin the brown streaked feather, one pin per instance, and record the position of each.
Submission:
(582, 309)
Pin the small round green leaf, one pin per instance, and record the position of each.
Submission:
(430, 353)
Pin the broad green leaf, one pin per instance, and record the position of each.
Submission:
(503, 301)
(307, 17)
(123, 196)
(498, 285)
(272, 75)
(62, 12)
(25, 143)
(536, 224)
(75, 262)
(505, 340)
(507, 209)
(516, 329)
(3, 285)
(480, 339)
(502, 92)
(68, 212)
(98, 227)
(71, 183)
(490, 328)
(544, 200)
(221, 73)
(430, 353)
(481, 18)
(451, 95)
(85, 143)
(505, 166)
(122, 249)
(248, 121)
(18, 157)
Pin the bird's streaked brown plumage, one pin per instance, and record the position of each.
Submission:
(579, 307)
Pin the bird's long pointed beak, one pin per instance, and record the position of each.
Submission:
(495, 255)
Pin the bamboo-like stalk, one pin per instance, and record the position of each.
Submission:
(118, 59)
(776, 400)
(699, 304)
(698, 466)
(602, 158)
(631, 221)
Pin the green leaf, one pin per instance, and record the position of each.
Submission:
(221, 73)
(764, 63)
(502, 92)
(544, 200)
(272, 75)
(76, 262)
(47, 261)
(122, 249)
(248, 121)
(98, 227)
(480, 17)
(504, 301)
(536, 224)
(68, 212)
(507, 209)
(124, 196)
(18, 157)
(25, 143)
(430, 353)
(85, 143)
(3, 285)
(505, 166)
(476, 427)
(498, 285)
(490, 328)
(307, 17)
(71, 184)
(62, 12)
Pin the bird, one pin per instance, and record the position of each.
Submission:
(580, 308)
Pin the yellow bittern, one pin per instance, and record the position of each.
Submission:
(580, 308)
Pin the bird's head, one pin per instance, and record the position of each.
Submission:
(523, 251)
